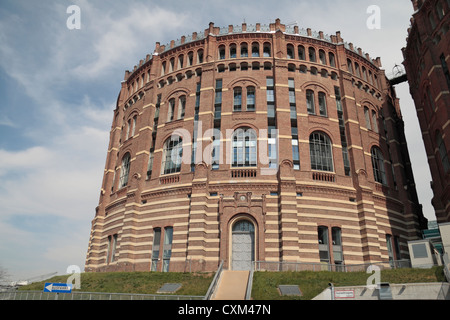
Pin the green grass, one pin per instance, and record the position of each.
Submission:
(196, 284)
(265, 284)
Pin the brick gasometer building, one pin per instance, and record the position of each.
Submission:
(426, 60)
(254, 143)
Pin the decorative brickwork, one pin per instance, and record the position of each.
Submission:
(253, 142)
(427, 63)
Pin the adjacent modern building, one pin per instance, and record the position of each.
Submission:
(250, 143)
(427, 61)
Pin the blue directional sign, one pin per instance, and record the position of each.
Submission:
(58, 287)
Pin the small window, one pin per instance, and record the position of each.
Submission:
(250, 98)
(379, 171)
(443, 154)
(322, 104)
(244, 50)
(322, 57)
(310, 102)
(237, 102)
(255, 50)
(332, 59)
(301, 53)
(125, 170)
(367, 117)
(312, 54)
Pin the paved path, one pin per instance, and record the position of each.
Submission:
(232, 286)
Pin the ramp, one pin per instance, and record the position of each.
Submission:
(232, 285)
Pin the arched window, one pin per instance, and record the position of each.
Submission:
(171, 110)
(266, 50)
(332, 59)
(250, 98)
(244, 148)
(320, 152)
(200, 56)
(379, 171)
(349, 66)
(222, 52)
(255, 49)
(367, 117)
(232, 51)
(322, 104)
(125, 170)
(312, 54)
(244, 50)
(243, 226)
(443, 152)
(322, 57)
(301, 53)
(237, 102)
(290, 51)
(310, 102)
(181, 107)
(172, 155)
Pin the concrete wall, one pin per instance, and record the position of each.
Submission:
(444, 229)
(409, 291)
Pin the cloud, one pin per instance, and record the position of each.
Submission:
(117, 37)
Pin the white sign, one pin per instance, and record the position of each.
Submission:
(344, 294)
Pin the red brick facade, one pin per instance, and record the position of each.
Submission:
(427, 63)
(317, 199)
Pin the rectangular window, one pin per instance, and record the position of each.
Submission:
(155, 248)
(250, 99)
(322, 104)
(367, 117)
(171, 110)
(181, 107)
(310, 102)
(237, 99)
(167, 248)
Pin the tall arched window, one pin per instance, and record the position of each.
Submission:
(125, 171)
(255, 49)
(237, 102)
(379, 171)
(244, 148)
(443, 152)
(244, 50)
(250, 98)
(322, 104)
(266, 50)
(332, 59)
(172, 155)
(320, 152)
(312, 54)
(310, 102)
(301, 53)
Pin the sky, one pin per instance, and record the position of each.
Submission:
(59, 86)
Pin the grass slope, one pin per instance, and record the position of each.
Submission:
(195, 284)
(265, 284)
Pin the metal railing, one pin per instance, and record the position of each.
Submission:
(40, 295)
(214, 283)
(309, 266)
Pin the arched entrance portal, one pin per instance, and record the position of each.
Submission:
(243, 245)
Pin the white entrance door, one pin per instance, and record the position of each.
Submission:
(243, 246)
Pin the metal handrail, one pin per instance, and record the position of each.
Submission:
(214, 282)
(248, 293)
